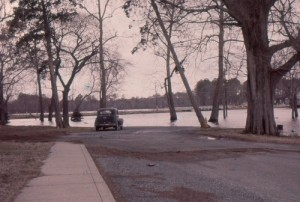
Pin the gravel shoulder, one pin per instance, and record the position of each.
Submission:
(19, 163)
(188, 164)
(162, 163)
(22, 152)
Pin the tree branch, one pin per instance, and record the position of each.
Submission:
(273, 49)
(278, 73)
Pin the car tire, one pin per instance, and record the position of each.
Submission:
(117, 126)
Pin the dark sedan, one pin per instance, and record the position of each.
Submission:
(108, 118)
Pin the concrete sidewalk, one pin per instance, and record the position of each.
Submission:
(69, 174)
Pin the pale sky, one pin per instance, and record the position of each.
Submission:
(146, 75)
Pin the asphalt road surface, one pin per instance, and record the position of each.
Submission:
(166, 164)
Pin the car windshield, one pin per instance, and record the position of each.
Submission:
(106, 112)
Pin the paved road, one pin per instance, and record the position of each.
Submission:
(177, 164)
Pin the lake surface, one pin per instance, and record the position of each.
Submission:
(235, 119)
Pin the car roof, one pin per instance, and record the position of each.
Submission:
(109, 108)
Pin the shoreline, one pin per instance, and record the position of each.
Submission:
(133, 111)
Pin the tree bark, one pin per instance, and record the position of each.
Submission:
(38, 74)
(3, 118)
(50, 110)
(41, 104)
(214, 117)
(180, 69)
(294, 105)
(225, 100)
(253, 18)
(173, 115)
(260, 116)
(103, 93)
(65, 101)
(53, 78)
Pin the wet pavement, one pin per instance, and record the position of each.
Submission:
(178, 164)
(68, 174)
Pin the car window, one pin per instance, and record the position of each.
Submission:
(105, 112)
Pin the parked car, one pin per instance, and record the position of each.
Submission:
(107, 118)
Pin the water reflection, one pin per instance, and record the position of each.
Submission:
(235, 119)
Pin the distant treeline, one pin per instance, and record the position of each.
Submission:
(26, 103)
(234, 94)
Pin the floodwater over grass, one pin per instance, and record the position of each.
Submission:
(236, 119)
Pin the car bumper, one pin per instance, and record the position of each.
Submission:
(106, 125)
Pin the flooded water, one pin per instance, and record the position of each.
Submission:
(235, 119)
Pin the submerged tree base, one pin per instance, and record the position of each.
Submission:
(212, 120)
(173, 119)
(3, 123)
(205, 124)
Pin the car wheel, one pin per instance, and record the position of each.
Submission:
(117, 127)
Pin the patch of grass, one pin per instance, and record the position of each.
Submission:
(238, 134)
(36, 133)
(22, 151)
(20, 162)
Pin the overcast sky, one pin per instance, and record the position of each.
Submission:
(146, 75)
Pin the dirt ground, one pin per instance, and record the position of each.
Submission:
(186, 164)
(23, 150)
(19, 163)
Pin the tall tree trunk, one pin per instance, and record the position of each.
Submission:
(41, 104)
(66, 107)
(293, 99)
(253, 18)
(38, 74)
(214, 117)
(53, 77)
(50, 110)
(173, 115)
(179, 68)
(3, 117)
(260, 113)
(103, 93)
(294, 105)
(225, 104)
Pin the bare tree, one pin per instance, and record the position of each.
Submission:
(151, 36)
(179, 67)
(220, 81)
(293, 94)
(291, 84)
(4, 11)
(254, 19)
(75, 47)
(110, 64)
(102, 16)
(253, 16)
(178, 25)
(35, 56)
(10, 74)
(115, 70)
(47, 12)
